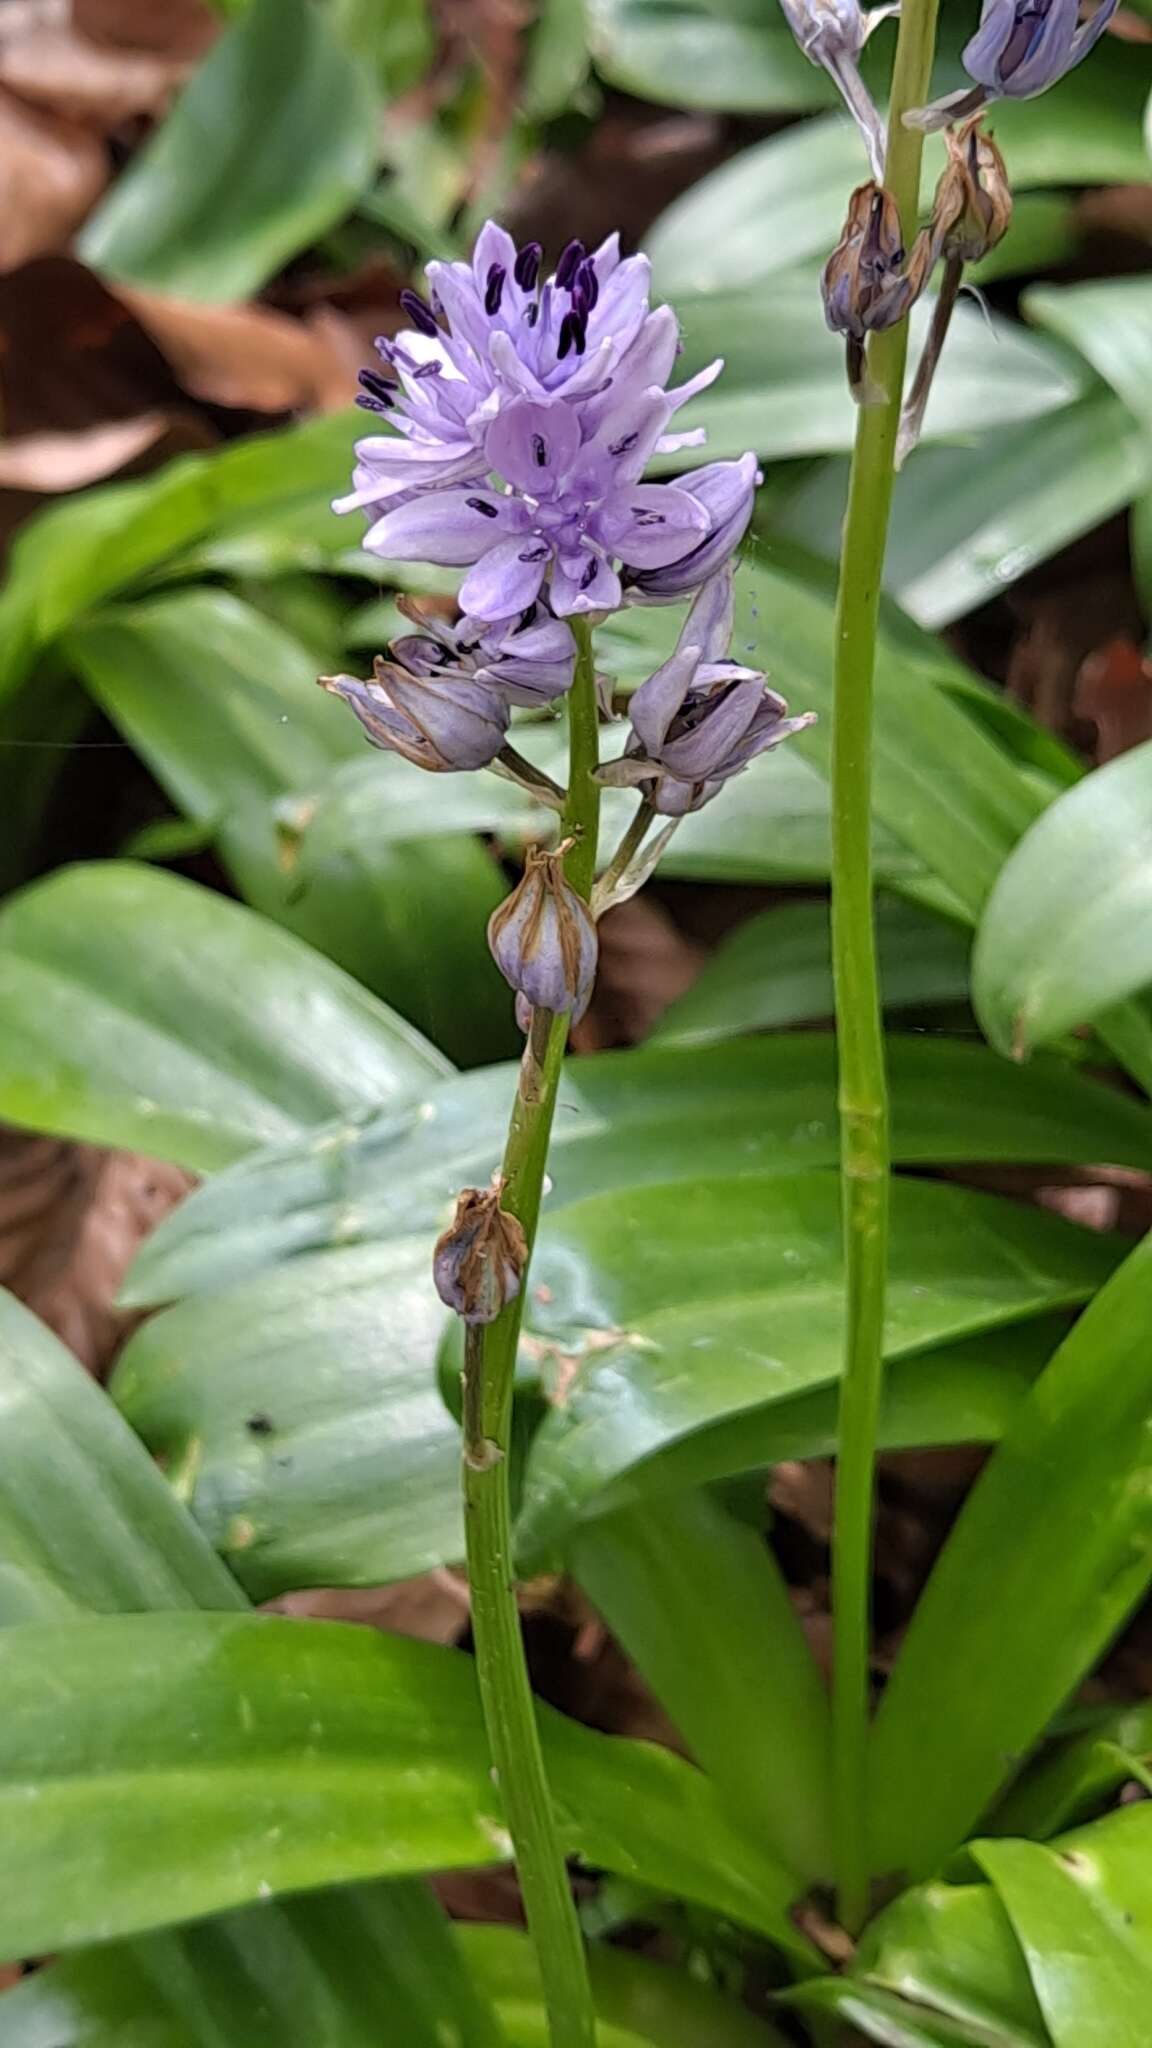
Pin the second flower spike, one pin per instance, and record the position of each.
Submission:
(543, 938)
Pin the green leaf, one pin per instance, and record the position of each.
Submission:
(673, 1308)
(735, 54)
(392, 39)
(784, 392)
(969, 522)
(302, 1422)
(776, 970)
(1083, 1917)
(1066, 934)
(712, 238)
(1048, 1557)
(183, 1764)
(627, 1120)
(1077, 1774)
(264, 1996)
(558, 60)
(270, 145)
(701, 1608)
(224, 707)
(74, 554)
(140, 1009)
(1111, 323)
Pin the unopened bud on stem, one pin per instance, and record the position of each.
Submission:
(480, 1259)
(868, 284)
(543, 938)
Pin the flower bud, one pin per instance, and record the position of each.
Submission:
(479, 1260)
(446, 723)
(833, 33)
(865, 285)
(543, 938)
(1020, 48)
(972, 210)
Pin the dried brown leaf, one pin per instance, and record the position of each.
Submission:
(52, 171)
(86, 82)
(250, 357)
(49, 463)
(177, 28)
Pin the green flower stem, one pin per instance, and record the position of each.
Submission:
(863, 1096)
(489, 1368)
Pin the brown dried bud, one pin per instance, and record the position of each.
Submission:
(972, 210)
(865, 283)
(479, 1260)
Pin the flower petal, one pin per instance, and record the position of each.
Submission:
(449, 527)
(584, 582)
(650, 524)
(533, 444)
(506, 578)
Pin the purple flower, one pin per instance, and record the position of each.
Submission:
(833, 33)
(445, 723)
(543, 938)
(727, 491)
(524, 414)
(479, 1261)
(528, 660)
(701, 718)
(1020, 48)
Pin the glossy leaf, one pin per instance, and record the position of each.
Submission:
(776, 970)
(1082, 1912)
(87, 1521)
(784, 392)
(139, 1009)
(224, 707)
(1067, 931)
(76, 553)
(960, 1393)
(1077, 1774)
(700, 1606)
(268, 147)
(184, 1764)
(702, 53)
(674, 1308)
(138, 1993)
(1110, 322)
(969, 522)
(1048, 1557)
(627, 1120)
(300, 1419)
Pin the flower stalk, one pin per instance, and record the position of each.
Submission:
(489, 1368)
(863, 1099)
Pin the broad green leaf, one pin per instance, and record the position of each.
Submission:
(701, 1608)
(736, 54)
(784, 392)
(1110, 323)
(625, 1120)
(961, 1393)
(183, 1764)
(139, 1009)
(969, 522)
(1083, 1917)
(137, 1993)
(939, 1968)
(224, 707)
(74, 554)
(671, 1309)
(393, 40)
(1067, 933)
(87, 1521)
(712, 239)
(269, 145)
(1077, 1774)
(1049, 1555)
(558, 60)
(301, 1422)
(776, 970)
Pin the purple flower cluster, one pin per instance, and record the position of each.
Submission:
(523, 413)
(1020, 49)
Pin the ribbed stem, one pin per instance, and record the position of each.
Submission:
(863, 1095)
(489, 1367)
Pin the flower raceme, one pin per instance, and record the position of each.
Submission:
(524, 412)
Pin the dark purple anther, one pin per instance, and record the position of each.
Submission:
(532, 313)
(527, 266)
(569, 264)
(419, 314)
(379, 393)
(540, 451)
(495, 290)
(572, 335)
(482, 505)
(587, 284)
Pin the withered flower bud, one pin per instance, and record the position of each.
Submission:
(479, 1260)
(543, 938)
(866, 283)
(972, 210)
